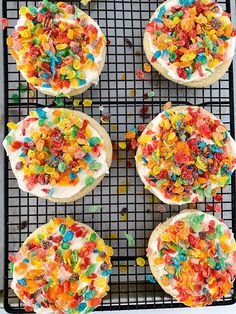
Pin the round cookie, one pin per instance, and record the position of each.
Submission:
(193, 257)
(190, 42)
(58, 154)
(62, 267)
(59, 49)
(185, 154)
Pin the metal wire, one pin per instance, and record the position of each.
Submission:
(120, 20)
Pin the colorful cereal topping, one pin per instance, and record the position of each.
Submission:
(195, 256)
(63, 268)
(57, 47)
(191, 37)
(186, 155)
(55, 152)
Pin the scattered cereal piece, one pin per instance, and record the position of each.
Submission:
(124, 217)
(4, 23)
(139, 74)
(132, 93)
(122, 188)
(217, 208)
(167, 105)
(150, 278)
(15, 98)
(105, 118)
(59, 102)
(130, 239)
(122, 145)
(76, 102)
(123, 268)
(140, 261)
(123, 77)
(161, 208)
(128, 42)
(87, 103)
(22, 225)
(22, 88)
(147, 67)
(151, 94)
(85, 2)
(94, 208)
(113, 236)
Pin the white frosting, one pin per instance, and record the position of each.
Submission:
(92, 76)
(164, 61)
(182, 216)
(143, 170)
(60, 192)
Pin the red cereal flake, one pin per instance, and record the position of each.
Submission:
(4, 22)
(139, 74)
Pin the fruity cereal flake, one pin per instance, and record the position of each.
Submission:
(185, 154)
(58, 154)
(58, 48)
(63, 267)
(193, 257)
(190, 42)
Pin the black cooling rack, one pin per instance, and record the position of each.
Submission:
(123, 22)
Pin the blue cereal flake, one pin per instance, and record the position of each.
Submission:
(38, 305)
(224, 37)
(144, 160)
(68, 236)
(94, 141)
(160, 14)
(27, 139)
(201, 58)
(134, 129)
(72, 176)
(157, 54)
(161, 11)
(186, 3)
(88, 158)
(150, 278)
(46, 85)
(41, 113)
(201, 145)
(81, 307)
(51, 192)
(106, 273)
(53, 67)
(189, 73)
(178, 123)
(214, 49)
(216, 149)
(22, 282)
(165, 52)
(82, 82)
(89, 295)
(90, 56)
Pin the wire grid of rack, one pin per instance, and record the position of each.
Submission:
(123, 22)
